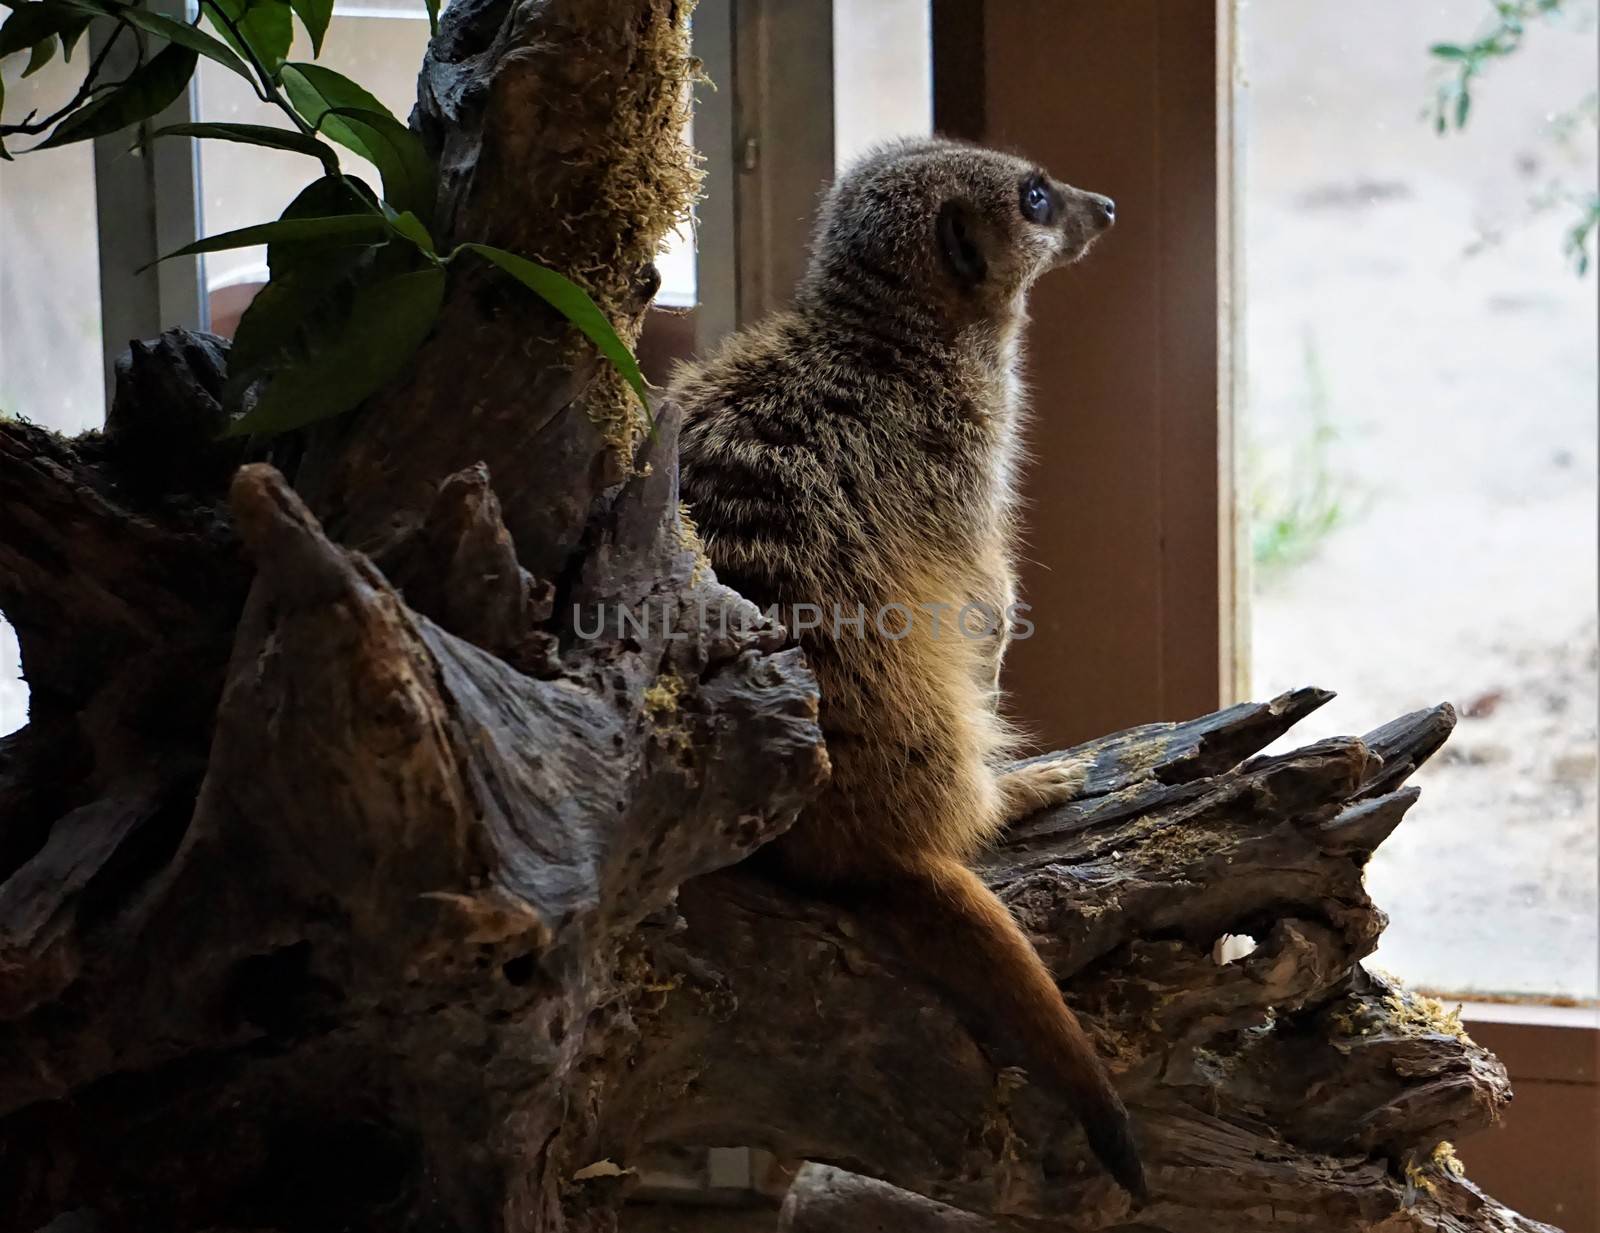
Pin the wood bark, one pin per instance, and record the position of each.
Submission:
(1287, 1089)
(347, 882)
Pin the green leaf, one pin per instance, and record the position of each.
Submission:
(255, 135)
(1449, 51)
(348, 228)
(384, 324)
(345, 112)
(334, 193)
(181, 33)
(410, 226)
(315, 91)
(311, 284)
(573, 303)
(70, 36)
(44, 51)
(301, 301)
(325, 197)
(1463, 105)
(264, 26)
(31, 24)
(149, 89)
(314, 16)
(391, 147)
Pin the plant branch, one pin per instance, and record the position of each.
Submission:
(32, 128)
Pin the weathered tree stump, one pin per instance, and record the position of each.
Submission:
(1285, 1089)
(346, 884)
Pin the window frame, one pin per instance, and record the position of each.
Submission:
(147, 204)
(766, 132)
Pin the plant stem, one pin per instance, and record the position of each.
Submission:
(272, 94)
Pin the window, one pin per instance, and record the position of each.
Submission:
(1421, 456)
(882, 74)
(50, 348)
(381, 47)
(50, 370)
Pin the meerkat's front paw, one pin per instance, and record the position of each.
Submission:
(1039, 785)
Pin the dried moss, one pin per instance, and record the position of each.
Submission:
(689, 540)
(1417, 1014)
(661, 698)
(1173, 837)
(1401, 1012)
(661, 705)
(1146, 754)
(1417, 1179)
(645, 175)
(595, 132)
(1442, 1161)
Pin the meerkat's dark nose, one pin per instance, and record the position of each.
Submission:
(1105, 210)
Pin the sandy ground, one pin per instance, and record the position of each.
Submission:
(1460, 390)
(1460, 394)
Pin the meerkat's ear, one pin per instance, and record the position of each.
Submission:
(958, 240)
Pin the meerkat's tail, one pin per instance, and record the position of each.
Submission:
(955, 928)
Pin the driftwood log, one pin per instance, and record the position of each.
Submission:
(346, 885)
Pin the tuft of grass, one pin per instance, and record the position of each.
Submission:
(1576, 243)
(1502, 36)
(1293, 511)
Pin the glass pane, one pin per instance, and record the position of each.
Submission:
(1421, 457)
(882, 74)
(51, 367)
(13, 690)
(677, 257)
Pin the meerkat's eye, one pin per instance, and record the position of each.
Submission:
(1038, 202)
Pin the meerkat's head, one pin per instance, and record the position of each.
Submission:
(958, 228)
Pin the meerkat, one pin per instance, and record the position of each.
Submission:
(857, 454)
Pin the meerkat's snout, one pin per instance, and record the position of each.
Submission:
(1086, 211)
(1084, 217)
